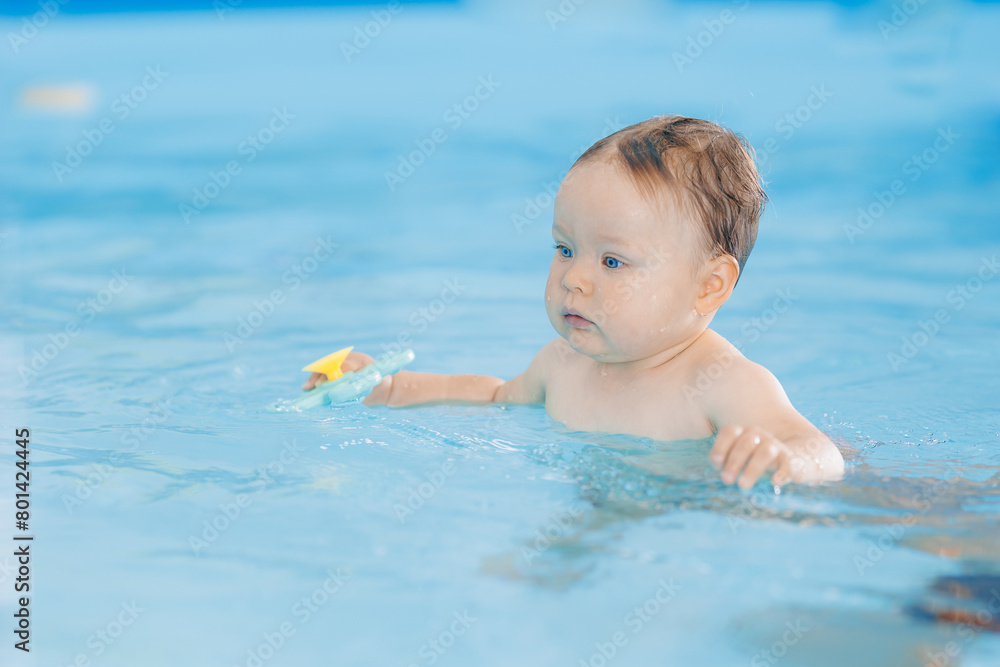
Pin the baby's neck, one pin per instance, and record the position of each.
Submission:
(626, 371)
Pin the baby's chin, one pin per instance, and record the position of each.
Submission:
(591, 344)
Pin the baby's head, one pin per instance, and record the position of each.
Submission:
(653, 225)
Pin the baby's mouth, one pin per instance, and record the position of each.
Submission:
(575, 320)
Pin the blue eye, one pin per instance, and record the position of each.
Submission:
(563, 250)
(612, 263)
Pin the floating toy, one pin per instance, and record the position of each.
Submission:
(342, 387)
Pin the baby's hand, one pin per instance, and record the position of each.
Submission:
(754, 451)
(355, 361)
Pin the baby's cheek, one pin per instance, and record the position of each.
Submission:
(550, 288)
(614, 303)
(632, 296)
(633, 292)
(646, 326)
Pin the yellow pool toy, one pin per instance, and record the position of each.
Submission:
(343, 387)
(330, 364)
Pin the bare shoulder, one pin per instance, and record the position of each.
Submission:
(737, 391)
(555, 355)
(722, 378)
(530, 386)
(557, 351)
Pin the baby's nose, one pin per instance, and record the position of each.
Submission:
(576, 280)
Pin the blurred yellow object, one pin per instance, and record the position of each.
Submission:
(330, 364)
(78, 98)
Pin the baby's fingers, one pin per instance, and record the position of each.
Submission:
(356, 361)
(769, 454)
(314, 380)
(786, 470)
(724, 441)
(744, 447)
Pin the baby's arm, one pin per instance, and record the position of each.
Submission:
(408, 388)
(759, 430)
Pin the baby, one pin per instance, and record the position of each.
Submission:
(652, 228)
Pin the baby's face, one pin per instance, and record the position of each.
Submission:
(622, 282)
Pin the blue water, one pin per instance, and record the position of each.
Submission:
(460, 535)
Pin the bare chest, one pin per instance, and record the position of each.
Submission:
(655, 407)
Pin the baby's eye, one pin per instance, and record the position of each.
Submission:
(563, 250)
(612, 263)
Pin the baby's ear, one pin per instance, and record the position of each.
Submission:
(718, 280)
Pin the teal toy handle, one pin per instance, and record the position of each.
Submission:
(351, 385)
(392, 363)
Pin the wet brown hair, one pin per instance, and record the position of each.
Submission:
(706, 168)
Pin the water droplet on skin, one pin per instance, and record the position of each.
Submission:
(604, 370)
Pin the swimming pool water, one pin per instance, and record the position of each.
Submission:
(177, 521)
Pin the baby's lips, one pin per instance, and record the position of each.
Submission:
(566, 312)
